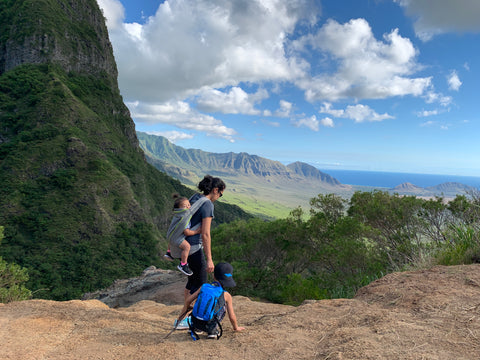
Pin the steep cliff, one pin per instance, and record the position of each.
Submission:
(80, 205)
(70, 33)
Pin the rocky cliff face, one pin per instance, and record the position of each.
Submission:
(71, 33)
(79, 203)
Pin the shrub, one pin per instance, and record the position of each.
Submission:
(463, 248)
(12, 278)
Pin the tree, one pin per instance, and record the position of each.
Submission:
(12, 279)
(395, 218)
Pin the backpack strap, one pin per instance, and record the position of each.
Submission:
(193, 333)
(220, 333)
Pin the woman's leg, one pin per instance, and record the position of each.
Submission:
(198, 265)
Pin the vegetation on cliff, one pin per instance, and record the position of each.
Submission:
(80, 205)
(12, 280)
(345, 245)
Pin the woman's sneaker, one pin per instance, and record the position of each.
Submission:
(185, 269)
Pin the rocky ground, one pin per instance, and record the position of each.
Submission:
(430, 314)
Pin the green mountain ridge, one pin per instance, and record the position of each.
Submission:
(80, 204)
(273, 188)
(193, 160)
(261, 186)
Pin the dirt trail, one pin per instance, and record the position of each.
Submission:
(431, 314)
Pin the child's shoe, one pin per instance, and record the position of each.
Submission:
(183, 324)
(168, 256)
(185, 269)
(214, 334)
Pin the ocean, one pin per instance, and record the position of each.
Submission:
(392, 179)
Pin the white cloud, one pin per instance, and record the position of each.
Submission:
(285, 109)
(193, 57)
(187, 46)
(432, 97)
(426, 113)
(271, 123)
(328, 109)
(311, 123)
(428, 123)
(181, 115)
(236, 101)
(454, 82)
(114, 13)
(358, 113)
(366, 68)
(440, 16)
(434, 123)
(172, 136)
(327, 122)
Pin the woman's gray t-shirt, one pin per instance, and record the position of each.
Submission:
(206, 210)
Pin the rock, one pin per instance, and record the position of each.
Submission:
(164, 286)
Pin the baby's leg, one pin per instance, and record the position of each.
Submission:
(185, 247)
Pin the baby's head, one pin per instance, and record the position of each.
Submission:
(185, 204)
(181, 202)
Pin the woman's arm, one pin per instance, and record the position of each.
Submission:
(207, 242)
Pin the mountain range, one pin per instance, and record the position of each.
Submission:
(251, 178)
(261, 186)
(447, 189)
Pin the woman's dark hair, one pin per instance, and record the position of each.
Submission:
(209, 183)
(178, 200)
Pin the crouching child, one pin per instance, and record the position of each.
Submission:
(211, 304)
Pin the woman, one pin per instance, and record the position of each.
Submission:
(200, 257)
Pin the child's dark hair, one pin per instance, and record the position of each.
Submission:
(209, 183)
(178, 200)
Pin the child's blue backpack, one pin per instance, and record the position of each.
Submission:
(208, 311)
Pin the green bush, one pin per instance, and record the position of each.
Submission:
(12, 279)
(463, 247)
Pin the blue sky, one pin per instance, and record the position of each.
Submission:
(380, 85)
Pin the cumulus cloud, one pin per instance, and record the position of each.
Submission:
(186, 46)
(327, 122)
(454, 82)
(440, 16)
(358, 113)
(312, 123)
(271, 123)
(433, 97)
(181, 115)
(426, 113)
(114, 13)
(285, 109)
(235, 101)
(191, 59)
(366, 68)
(172, 136)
